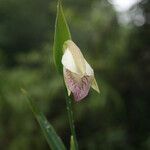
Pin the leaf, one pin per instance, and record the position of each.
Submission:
(72, 144)
(62, 34)
(50, 134)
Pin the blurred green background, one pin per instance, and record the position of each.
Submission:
(115, 42)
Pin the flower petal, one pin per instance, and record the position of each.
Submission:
(73, 59)
(89, 70)
(68, 62)
(78, 86)
(94, 85)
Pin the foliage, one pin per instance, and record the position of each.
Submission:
(51, 136)
(62, 34)
(118, 118)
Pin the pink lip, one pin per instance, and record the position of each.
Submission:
(78, 86)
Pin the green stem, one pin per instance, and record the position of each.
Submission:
(71, 120)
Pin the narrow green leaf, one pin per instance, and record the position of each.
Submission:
(51, 136)
(62, 34)
(72, 144)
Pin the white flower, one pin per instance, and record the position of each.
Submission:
(78, 74)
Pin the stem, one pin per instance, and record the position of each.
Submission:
(71, 120)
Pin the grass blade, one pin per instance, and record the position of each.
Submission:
(51, 136)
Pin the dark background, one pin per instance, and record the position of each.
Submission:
(116, 119)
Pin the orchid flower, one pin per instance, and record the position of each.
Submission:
(78, 74)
